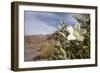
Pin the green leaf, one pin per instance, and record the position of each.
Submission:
(62, 34)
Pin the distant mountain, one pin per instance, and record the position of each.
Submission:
(36, 38)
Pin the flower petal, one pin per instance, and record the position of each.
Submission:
(80, 38)
(71, 37)
(70, 29)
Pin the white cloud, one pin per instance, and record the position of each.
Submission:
(36, 26)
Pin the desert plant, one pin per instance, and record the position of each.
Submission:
(74, 40)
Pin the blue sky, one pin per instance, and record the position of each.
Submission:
(37, 22)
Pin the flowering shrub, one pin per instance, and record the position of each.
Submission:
(74, 41)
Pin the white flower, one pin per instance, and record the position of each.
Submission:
(71, 31)
(76, 33)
